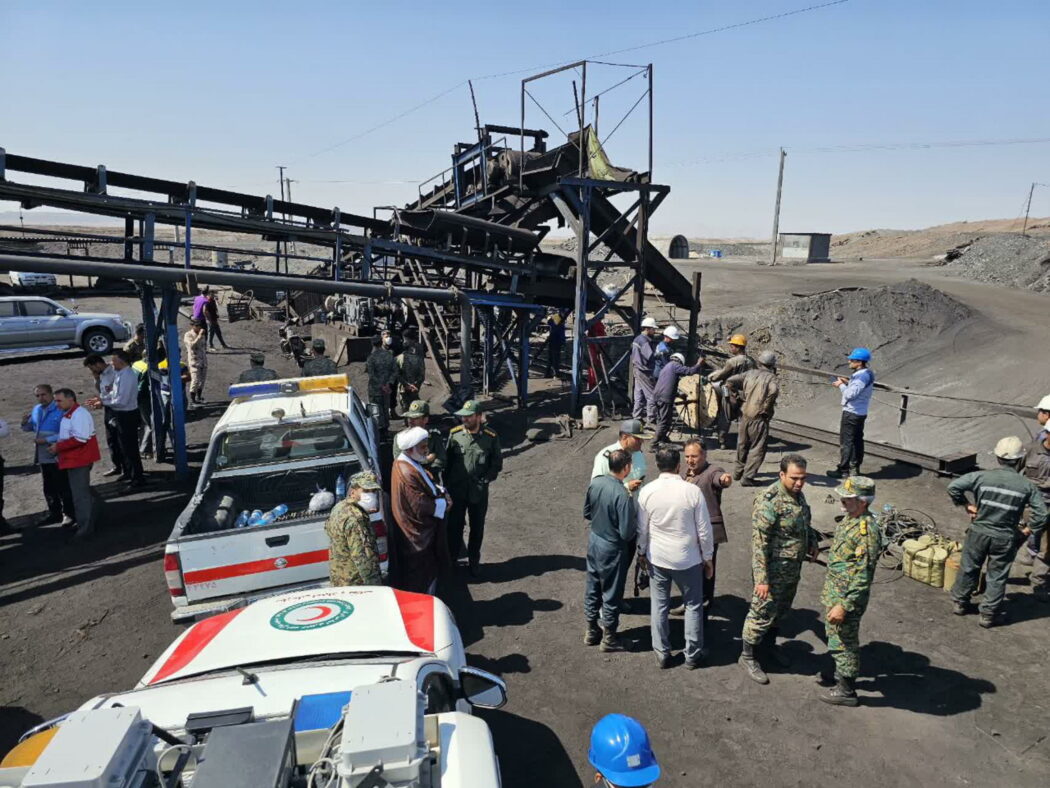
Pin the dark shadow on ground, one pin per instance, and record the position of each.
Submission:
(1024, 606)
(895, 471)
(907, 680)
(14, 721)
(511, 663)
(523, 566)
(530, 753)
(120, 527)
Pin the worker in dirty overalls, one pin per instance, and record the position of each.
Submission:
(738, 363)
(382, 373)
(852, 558)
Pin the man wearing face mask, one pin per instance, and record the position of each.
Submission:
(353, 556)
(382, 374)
(419, 504)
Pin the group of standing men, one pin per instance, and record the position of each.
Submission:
(673, 525)
(437, 487)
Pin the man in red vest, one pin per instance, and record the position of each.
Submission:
(76, 447)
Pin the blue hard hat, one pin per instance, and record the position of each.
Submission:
(621, 753)
(860, 354)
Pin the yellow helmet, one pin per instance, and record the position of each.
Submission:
(738, 339)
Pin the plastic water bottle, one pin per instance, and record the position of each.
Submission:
(242, 520)
(278, 511)
(340, 488)
(255, 517)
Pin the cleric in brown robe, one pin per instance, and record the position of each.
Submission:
(419, 505)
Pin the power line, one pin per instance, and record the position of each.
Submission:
(860, 148)
(501, 74)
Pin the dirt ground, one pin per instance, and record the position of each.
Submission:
(944, 702)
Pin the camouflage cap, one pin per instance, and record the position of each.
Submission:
(365, 480)
(856, 487)
(318, 344)
(418, 409)
(470, 408)
(258, 358)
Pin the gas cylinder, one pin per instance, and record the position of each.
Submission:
(951, 567)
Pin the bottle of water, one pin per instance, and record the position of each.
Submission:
(340, 488)
(242, 520)
(888, 513)
(278, 511)
(255, 517)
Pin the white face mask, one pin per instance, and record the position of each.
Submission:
(388, 340)
(369, 501)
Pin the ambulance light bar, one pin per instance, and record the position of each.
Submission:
(290, 386)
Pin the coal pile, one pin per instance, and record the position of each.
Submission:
(1004, 259)
(898, 322)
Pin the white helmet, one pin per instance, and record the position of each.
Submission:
(672, 332)
(649, 323)
(678, 357)
(1010, 448)
(1044, 403)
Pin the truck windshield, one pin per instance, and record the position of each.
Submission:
(281, 443)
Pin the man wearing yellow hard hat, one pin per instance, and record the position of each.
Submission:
(738, 363)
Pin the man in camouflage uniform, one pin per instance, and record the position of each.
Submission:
(781, 538)
(257, 372)
(474, 460)
(418, 415)
(411, 371)
(851, 567)
(382, 374)
(319, 364)
(353, 556)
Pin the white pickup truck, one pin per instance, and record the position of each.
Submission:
(340, 687)
(279, 442)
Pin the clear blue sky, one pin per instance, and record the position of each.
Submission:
(220, 92)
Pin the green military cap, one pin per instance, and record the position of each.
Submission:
(857, 487)
(418, 409)
(318, 344)
(258, 358)
(470, 408)
(366, 480)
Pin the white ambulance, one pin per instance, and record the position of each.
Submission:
(334, 687)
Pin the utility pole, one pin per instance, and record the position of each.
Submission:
(277, 266)
(1027, 210)
(776, 211)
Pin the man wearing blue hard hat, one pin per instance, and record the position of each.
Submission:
(621, 753)
(856, 396)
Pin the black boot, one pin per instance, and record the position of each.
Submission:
(593, 635)
(611, 642)
(842, 694)
(750, 664)
(775, 652)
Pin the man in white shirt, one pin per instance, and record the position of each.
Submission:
(675, 540)
(121, 399)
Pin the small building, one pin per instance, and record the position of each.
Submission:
(805, 247)
(679, 248)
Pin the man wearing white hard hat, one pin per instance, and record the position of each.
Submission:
(664, 349)
(642, 352)
(1000, 497)
(419, 505)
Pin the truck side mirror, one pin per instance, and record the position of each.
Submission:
(482, 689)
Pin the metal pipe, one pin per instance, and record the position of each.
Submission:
(239, 279)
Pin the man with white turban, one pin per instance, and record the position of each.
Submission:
(419, 505)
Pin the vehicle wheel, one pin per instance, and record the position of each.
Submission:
(97, 340)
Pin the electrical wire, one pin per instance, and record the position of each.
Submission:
(515, 72)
